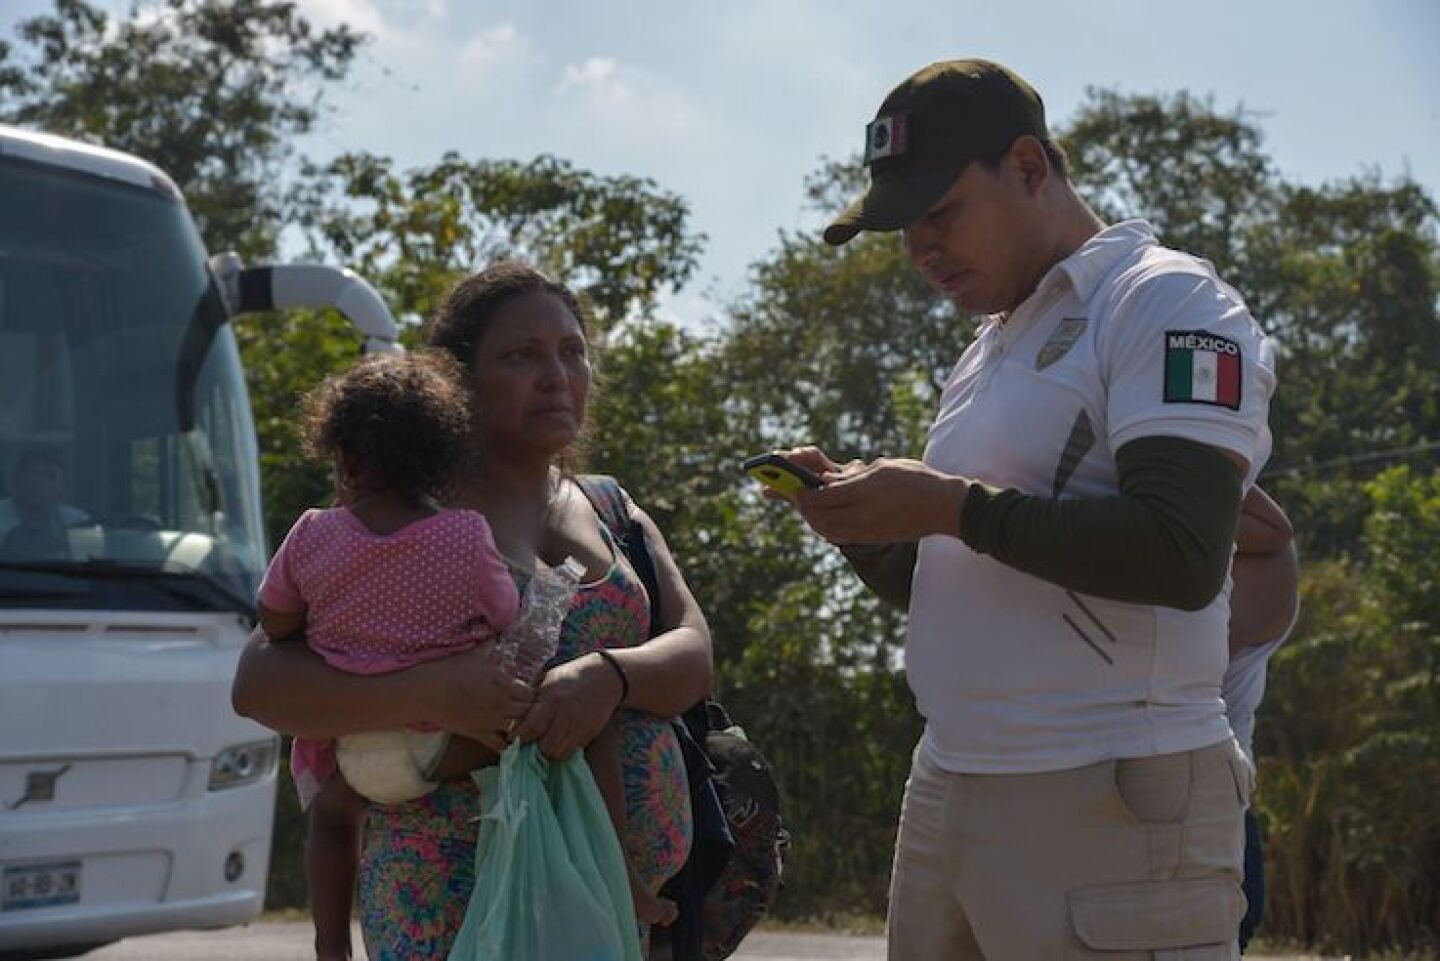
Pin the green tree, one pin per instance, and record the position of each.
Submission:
(619, 241)
(1344, 276)
(1198, 175)
(211, 91)
(1350, 740)
(1352, 273)
(847, 348)
(413, 234)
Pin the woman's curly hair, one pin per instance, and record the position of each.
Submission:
(464, 316)
(401, 421)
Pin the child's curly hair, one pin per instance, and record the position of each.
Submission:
(402, 421)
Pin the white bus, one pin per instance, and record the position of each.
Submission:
(132, 799)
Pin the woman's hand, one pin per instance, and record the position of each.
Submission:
(474, 697)
(574, 703)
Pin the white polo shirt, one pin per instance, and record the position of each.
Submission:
(1123, 339)
(1243, 687)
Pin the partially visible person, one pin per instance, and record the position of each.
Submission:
(385, 581)
(34, 520)
(1077, 791)
(522, 341)
(1264, 602)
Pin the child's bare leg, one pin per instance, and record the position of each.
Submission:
(603, 756)
(332, 860)
(462, 756)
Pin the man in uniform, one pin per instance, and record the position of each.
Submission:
(1063, 548)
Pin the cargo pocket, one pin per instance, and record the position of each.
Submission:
(1244, 774)
(1182, 919)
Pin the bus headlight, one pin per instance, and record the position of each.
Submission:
(241, 764)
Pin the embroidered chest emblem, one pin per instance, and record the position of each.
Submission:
(1061, 339)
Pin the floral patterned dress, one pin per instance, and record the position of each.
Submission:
(418, 864)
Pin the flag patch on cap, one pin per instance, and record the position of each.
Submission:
(1201, 368)
(886, 137)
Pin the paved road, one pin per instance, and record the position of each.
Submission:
(283, 941)
(290, 942)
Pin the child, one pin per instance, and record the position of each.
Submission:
(382, 582)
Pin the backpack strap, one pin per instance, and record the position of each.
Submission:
(612, 505)
(713, 841)
(609, 500)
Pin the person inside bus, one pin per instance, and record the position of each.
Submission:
(34, 521)
(522, 340)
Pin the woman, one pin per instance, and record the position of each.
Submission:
(523, 343)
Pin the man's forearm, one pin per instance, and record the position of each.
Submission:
(887, 569)
(1165, 540)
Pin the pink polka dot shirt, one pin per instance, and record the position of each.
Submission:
(376, 603)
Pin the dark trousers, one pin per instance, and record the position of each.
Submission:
(1254, 883)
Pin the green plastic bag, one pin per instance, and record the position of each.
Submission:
(550, 876)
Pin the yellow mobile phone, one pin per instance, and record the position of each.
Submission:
(780, 474)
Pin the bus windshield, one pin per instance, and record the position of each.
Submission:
(126, 442)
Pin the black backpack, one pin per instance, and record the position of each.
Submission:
(750, 798)
(735, 864)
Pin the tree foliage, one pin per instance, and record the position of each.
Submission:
(1344, 276)
(1199, 176)
(1350, 738)
(413, 234)
(211, 91)
(619, 241)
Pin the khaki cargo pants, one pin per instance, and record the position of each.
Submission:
(1121, 861)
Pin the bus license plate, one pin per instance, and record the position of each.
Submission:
(40, 885)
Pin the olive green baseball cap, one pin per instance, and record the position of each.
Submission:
(926, 132)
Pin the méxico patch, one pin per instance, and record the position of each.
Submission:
(1201, 368)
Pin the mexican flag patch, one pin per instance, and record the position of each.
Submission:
(886, 137)
(1201, 368)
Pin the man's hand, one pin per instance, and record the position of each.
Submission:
(812, 459)
(883, 501)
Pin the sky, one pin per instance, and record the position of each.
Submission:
(732, 104)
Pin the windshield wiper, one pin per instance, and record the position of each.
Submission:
(38, 583)
(197, 588)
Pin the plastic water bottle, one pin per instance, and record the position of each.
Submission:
(529, 643)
